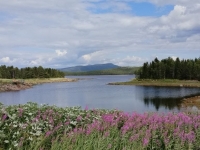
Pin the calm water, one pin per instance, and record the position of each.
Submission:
(93, 92)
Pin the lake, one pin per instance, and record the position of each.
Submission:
(93, 92)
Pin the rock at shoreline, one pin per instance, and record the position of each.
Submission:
(14, 87)
(17, 85)
(191, 102)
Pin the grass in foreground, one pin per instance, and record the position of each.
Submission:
(31, 126)
(160, 82)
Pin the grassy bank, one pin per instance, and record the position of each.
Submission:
(163, 82)
(36, 80)
(31, 126)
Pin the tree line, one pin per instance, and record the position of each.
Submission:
(185, 69)
(10, 72)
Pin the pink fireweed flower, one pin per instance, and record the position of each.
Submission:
(88, 132)
(48, 133)
(196, 125)
(21, 141)
(191, 136)
(20, 110)
(66, 123)
(75, 130)
(148, 133)
(50, 111)
(134, 137)
(106, 134)
(81, 130)
(145, 142)
(109, 146)
(108, 118)
(79, 118)
(86, 107)
(58, 126)
(51, 120)
(4, 117)
(166, 140)
(36, 119)
(44, 117)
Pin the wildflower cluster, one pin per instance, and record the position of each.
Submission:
(31, 126)
(20, 125)
(119, 130)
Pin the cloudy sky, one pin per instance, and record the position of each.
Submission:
(62, 33)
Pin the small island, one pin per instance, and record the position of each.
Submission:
(169, 73)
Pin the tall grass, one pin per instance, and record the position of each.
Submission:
(44, 127)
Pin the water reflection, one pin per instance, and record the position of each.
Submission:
(169, 103)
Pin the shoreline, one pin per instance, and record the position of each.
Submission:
(190, 102)
(160, 83)
(7, 85)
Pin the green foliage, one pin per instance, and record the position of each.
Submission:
(28, 72)
(171, 69)
(115, 71)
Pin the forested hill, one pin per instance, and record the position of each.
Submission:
(185, 69)
(114, 71)
(28, 72)
(89, 68)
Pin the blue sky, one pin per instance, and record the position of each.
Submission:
(62, 33)
(135, 8)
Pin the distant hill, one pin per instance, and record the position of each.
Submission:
(87, 68)
(114, 71)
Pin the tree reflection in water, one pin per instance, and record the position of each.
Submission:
(168, 103)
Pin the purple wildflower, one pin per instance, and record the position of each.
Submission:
(48, 133)
(106, 134)
(79, 118)
(4, 117)
(86, 107)
(109, 146)
(145, 142)
(20, 110)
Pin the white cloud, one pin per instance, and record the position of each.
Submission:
(93, 58)
(178, 26)
(87, 58)
(173, 2)
(61, 33)
(5, 60)
(61, 52)
(173, 57)
(129, 61)
(33, 62)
